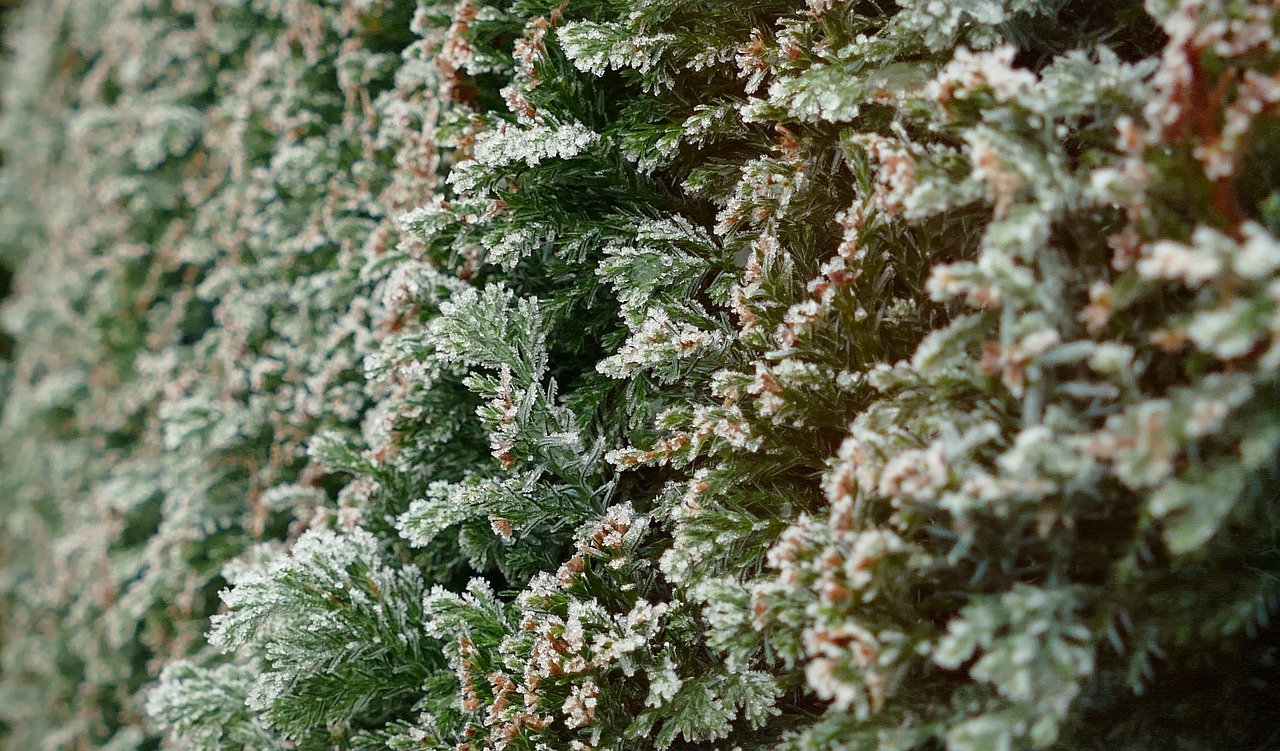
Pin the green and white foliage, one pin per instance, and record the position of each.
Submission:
(207, 194)
(634, 374)
(338, 626)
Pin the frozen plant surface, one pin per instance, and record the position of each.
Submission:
(640, 374)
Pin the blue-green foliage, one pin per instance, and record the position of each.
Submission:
(635, 374)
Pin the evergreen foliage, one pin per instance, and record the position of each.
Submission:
(641, 374)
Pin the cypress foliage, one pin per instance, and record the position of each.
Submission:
(641, 374)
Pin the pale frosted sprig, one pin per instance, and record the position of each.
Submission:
(666, 261)
(941, 25)
(659, 344)
(446, 505)
(507, 246)
(205, 707)
(446, 612)
(330, 605)
(492, 328)
(511, 145)
(595, 48)
(1033, 650)
(974, 71)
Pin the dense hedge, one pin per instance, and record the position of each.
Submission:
(641, 374)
